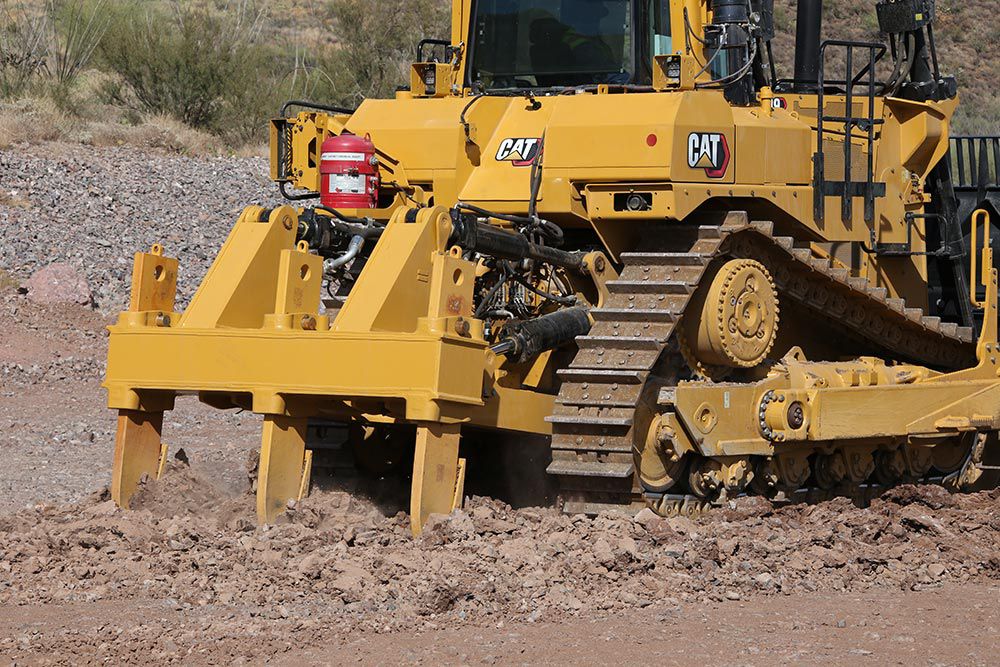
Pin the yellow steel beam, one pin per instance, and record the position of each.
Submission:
(921, 409)
(729, 420)
(241, 286)
(432, 375)
(420, 368)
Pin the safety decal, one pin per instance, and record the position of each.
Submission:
(709, 151)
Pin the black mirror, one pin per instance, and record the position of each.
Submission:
(443, 44)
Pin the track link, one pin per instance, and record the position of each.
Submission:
(633, 351)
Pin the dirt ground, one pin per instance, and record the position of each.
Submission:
(188, 577)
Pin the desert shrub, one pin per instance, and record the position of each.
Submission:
(33, 120)
(48, 46)
(79, 26)
(188, 62)
(24, 49)
(207, 65)
(377, 44)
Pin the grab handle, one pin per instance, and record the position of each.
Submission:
(983, 276)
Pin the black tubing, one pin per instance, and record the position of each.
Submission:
(526, 340)
(283, 187)
(306, 104)
(487, 239)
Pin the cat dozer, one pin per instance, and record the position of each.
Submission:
(610, 224)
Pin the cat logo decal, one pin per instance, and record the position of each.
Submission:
(709, 151)
(519, 152)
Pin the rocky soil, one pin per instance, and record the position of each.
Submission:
(336, 567)
(188, 577)
(94, 208)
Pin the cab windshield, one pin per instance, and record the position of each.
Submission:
(552, 43)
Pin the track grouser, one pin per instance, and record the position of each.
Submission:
(611, 225)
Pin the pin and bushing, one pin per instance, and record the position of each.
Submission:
(783, 415)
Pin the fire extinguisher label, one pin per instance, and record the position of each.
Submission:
(347, 183)
(344, 157)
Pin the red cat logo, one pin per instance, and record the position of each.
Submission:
(709, 151)
(519, 152)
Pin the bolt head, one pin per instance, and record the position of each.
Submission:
(796, 415)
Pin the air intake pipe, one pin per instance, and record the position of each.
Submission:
(808, 38)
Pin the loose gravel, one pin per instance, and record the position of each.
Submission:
(94, 208)
(334, 563)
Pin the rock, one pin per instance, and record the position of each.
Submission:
(350, 582)
(59, 283)
(727, 547)
(603, 553)
(312, 564)
(180, 545)
(628, 545)
(103, 509)
(764, 580)
(936, 570)
(498, 526)
(645, 517)
(918, 519)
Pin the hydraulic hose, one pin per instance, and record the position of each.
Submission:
(327, 234)
(293, 197)
(306, 104)
(353, 248)
(472, 235)
(526, 340)
(551, 230)
(340, 216)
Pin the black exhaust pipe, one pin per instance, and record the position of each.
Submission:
(808, 37)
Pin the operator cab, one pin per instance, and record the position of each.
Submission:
(522, 44)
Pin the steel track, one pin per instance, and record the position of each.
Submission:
(609, 390)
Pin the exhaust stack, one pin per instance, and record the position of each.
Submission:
(808, 37)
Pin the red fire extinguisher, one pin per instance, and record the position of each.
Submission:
(349, 174)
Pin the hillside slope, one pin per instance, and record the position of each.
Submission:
(965, 29)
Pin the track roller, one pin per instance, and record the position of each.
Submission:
(890, 466)
(859, 464)
(829, 469)
(793, 470)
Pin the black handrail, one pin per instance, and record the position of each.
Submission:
(862, 82)
(975, 162)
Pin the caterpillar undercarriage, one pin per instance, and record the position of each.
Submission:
(609, 224)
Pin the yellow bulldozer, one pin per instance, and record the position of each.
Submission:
(610, 224)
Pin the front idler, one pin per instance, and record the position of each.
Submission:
(733, 323)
